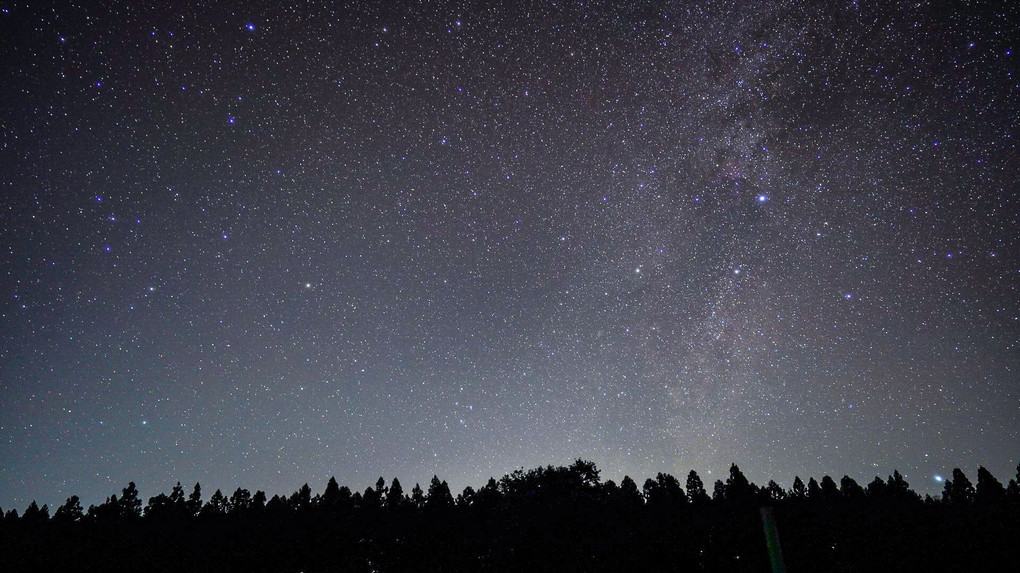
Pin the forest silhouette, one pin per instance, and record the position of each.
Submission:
(544, 519)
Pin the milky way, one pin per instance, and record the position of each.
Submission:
(256, 246)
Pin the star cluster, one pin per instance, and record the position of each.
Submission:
(256, 245)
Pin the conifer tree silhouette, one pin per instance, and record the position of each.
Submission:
(395, 495)
(331, 497)
(371, 499)
(301, 499)
(664, 491)
(718, 490)
(417, 496)
(216, 506)
(488, 496)
(850, 489)
(130, 503)
(240, 501)
(814, 491)
(774, 492)
(277, 505)
(799, 491)
(466, 498)
(194, 503)
(877, 488)
(989, 490)
(177, 495)
(738, 488)
(629, 493)
(959, 489)
(828, 489)
(1013, 487)
(70, 512)
(696, 489)
(439, 496)
(258, 501)
(108, 511)
(34, 514)
(898, 487)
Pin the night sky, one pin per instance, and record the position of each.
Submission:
(256, 246)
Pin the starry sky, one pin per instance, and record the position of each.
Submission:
(254, 245)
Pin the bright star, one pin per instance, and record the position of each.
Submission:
(939, 478)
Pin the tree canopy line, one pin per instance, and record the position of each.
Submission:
(544, 519)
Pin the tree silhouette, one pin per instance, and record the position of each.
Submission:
(331, 497)
(34, 514)
(609, 490)
(719, 490)
(108, 511)
(1013, 487)
(466, 497)
(876, 489)
(586, 472)
(738, 488)
(159, 507)
(547, 518)
(799, 491)
(130, 503)
(774, 492)
(194, 503)
(439, 496)
(696, 489)
(488, 496)
(899, 488)
(417, 496)
(216, 506)
(277, 505)
(664, 491)
(958, 490)
(301, 499)
(648, 491)
(371, 499)
(989, 490)
(177, 495)
(240, 501)
(850, 489)
(395, 495)
(258, 501)
(814, 491)
(828, 489)
(70, 512)
(165, 506)
(629, 493)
